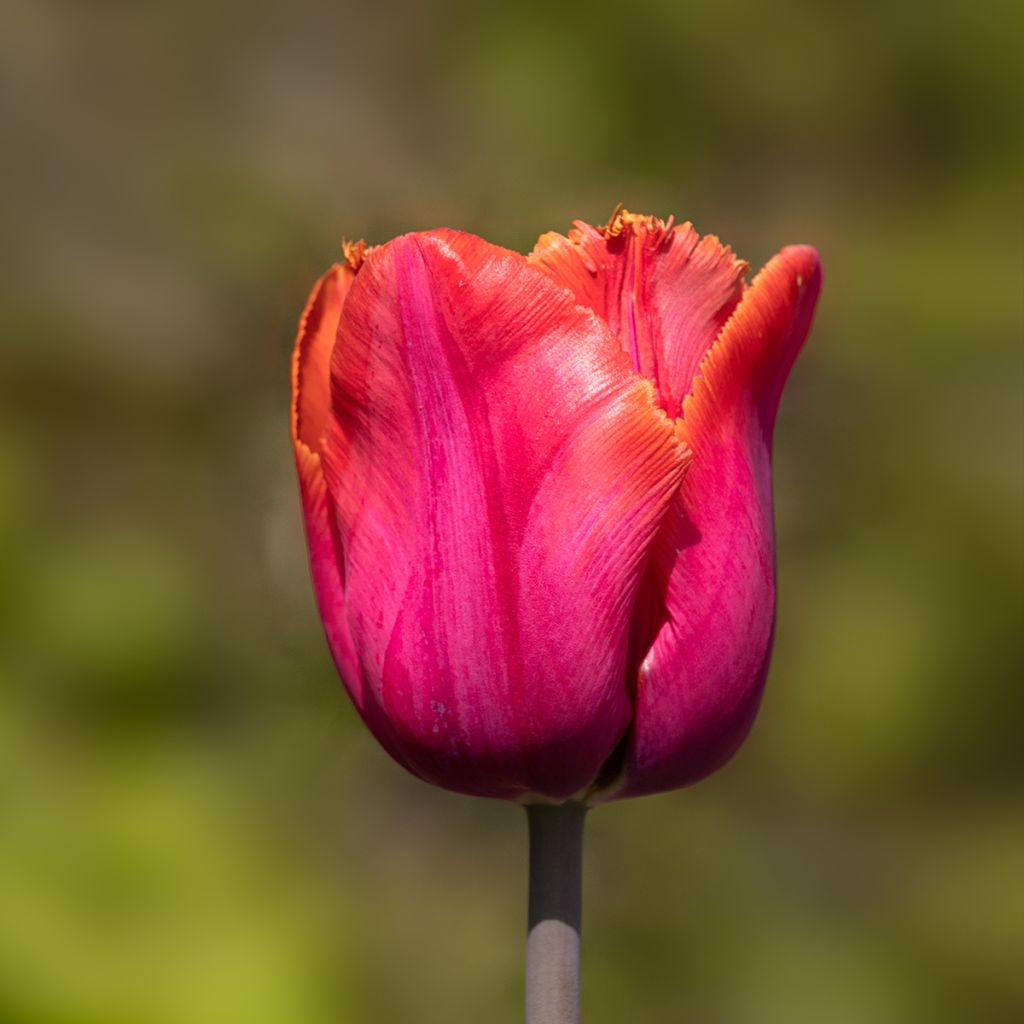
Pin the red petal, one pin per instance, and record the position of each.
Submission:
(664, 292)
(499, 474)
(709, 596)
(318, 330)
(311, 359)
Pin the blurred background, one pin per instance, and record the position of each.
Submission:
(194, 826)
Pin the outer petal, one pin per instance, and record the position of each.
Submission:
(311, 360)
(499, 475)
(665, 292)
(711, 582)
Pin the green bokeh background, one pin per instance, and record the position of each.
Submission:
(194, 826)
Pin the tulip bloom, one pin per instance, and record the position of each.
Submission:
(537, 497)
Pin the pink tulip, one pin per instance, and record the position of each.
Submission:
(537, 495)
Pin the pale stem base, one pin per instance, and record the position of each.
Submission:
(553, 941)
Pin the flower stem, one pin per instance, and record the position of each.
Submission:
(553, 942)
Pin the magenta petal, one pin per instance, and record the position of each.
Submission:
(709, 598)
(498, 475)
(311, 387)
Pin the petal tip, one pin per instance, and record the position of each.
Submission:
(354, 253)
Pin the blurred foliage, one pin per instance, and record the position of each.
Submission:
(194, 827)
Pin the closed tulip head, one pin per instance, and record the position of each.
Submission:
(537, 498)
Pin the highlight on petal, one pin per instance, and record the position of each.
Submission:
(708, 600)
(664, 291)
(498, 475)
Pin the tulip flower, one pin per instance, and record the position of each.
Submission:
(537, 498)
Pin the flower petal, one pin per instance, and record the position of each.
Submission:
(709, 596)
(311, 358)
(318, 329)
(499, 474)
(665, 292)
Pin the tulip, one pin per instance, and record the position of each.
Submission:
(537, 498)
